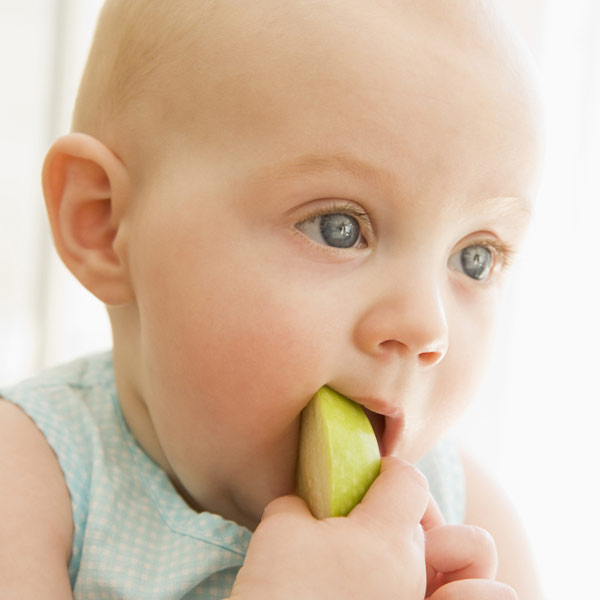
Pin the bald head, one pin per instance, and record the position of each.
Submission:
(137, 45)
(154, 61)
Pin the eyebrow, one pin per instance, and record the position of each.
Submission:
(506, 206)
(317, 163)
(502, 206)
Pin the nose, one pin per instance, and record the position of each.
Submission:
(408, 321)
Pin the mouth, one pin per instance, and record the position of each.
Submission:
(378, 424)
(387, 429)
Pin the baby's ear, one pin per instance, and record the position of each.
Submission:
(87, 192)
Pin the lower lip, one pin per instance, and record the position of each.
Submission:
(392, 434)
(387, 431)
(378, 424)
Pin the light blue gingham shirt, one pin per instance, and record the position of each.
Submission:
(135, 537)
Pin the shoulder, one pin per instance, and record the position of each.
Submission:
(62, 402)
(36, 527)
(489, 507)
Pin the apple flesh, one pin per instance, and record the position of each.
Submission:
(338, 455)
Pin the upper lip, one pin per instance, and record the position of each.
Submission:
(380, 406)
(388, 432)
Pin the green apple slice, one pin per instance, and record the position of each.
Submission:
(338, 454)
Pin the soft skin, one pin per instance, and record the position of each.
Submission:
(228, 311)
(238, 317)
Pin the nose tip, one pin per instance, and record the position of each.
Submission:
(405, 325)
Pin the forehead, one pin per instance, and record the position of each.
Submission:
(398, 82)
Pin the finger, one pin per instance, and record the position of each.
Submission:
(399, 496)
(289, 504)
(433, 516)
(459, 552)
(474, 589)
(431, 519)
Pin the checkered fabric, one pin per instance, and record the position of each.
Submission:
(135, 537)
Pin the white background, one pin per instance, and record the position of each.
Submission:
(535, 421)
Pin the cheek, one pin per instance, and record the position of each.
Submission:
(469, 351)
(471, 329)
(219, 330)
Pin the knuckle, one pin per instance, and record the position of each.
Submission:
(482, 537)
(419, 478)
(410, 472)
(487, 550)
(277, 506)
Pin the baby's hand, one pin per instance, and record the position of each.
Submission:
(462, 563)
(376, 552)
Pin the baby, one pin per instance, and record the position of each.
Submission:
(271, 196)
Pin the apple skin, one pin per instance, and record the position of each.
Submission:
(338, 455)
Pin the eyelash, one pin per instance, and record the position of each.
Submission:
(502, 251)
(366, 226)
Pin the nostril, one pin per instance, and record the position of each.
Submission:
(393, 346)
(428, 359)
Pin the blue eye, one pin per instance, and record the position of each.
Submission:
(338, 230)
(475, 261)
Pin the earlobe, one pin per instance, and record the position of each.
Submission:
(87, 193)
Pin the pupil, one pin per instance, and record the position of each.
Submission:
(339, 230)
(476, 261)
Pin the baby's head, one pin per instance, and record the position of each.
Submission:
(274, 196)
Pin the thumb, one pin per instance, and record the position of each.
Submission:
(289, 504)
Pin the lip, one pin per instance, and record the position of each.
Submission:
(387, 422)
(392, 435)
(379, 406)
